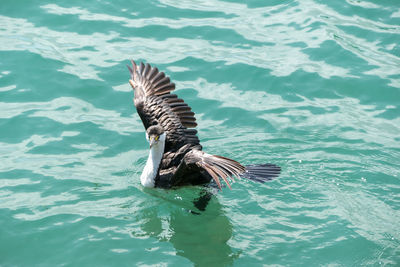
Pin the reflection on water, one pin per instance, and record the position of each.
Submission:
(197, 236)
(201, 238)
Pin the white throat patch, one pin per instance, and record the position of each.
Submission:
(150, 170)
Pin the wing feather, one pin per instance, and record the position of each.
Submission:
(212, 172)
(156, 105)
(216, 166)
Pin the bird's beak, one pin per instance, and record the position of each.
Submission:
(152, 141)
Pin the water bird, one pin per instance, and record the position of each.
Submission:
(176, 157)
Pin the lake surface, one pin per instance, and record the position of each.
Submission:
(312, 86)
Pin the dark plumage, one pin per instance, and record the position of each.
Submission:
(183, 161)
(154, 130)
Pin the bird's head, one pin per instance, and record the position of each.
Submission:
(155, 134)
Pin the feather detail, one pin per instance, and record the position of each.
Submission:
(147, 82)
(210, 171)
(216, 166)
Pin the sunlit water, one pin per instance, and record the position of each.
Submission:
(313, 86)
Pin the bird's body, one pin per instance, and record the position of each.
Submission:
(176, 157)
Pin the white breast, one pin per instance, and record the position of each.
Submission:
(150, 171)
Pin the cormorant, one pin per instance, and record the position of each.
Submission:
(176, 157)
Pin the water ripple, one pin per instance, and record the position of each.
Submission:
(277, 24)
(309, 85)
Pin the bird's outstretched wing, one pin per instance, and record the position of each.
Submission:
(221, 168)
(156, 105)
(216, 166)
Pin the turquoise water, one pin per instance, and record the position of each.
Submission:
(313, 86)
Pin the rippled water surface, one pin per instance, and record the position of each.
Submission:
(313, 86)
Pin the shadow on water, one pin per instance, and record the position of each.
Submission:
(201, 237)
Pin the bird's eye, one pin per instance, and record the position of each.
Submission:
(156, 138)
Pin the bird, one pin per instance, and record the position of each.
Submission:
(176, 157)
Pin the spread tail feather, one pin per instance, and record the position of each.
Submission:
(261, 172)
